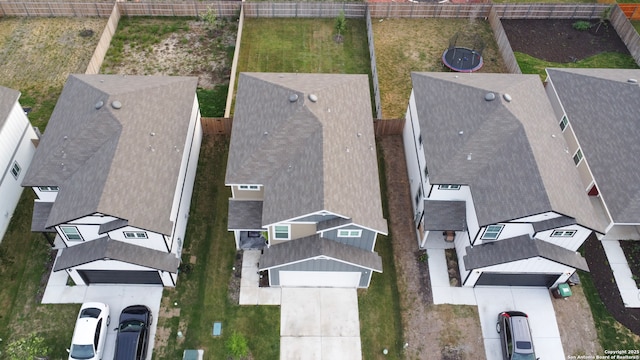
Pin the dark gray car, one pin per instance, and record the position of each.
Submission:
(133, 333)
(515, 336)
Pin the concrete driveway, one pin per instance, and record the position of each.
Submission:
(535, 302)
(319, 324)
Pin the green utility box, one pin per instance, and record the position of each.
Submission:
(561, 291)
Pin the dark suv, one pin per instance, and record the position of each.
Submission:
(133, 333)
(515, 336)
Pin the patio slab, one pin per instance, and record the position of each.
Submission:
(443, 292)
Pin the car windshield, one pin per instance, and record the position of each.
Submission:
(133, 325)
(517, 356)
(90, 312)
(81, 351)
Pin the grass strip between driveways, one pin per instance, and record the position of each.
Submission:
(609, 60)
(611, 334)
(202, 292)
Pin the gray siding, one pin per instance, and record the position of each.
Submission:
(316, 218)
(365, 242)
(320, 265)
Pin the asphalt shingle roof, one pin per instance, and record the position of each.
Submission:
(244, 215)
(309, 155)
(8, 98)
(315, 246)
(510, 152)
(553, 223)
(122, 162)
(520, 248)
(106, 248)
(445, 215)
(603, 109)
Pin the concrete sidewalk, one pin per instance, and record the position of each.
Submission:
(621, 272)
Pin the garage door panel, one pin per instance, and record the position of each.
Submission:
(511, 279)
(120, 277)
(319, 279)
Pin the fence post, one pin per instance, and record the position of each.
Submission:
(25, 9)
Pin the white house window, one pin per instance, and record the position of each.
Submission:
(48, 188)
(282, 232)
(449, 187)
(135, 234)
(563, 233)
(564, 122)
(577, 157)
(349, 233)
(249, 187)
(15, 169)
(492, 232)
(71, 233)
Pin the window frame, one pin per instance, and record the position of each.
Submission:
(15, 169)
(487, 230)
(49, 188)
(275, 232)
(135, 235)
(66, 234)
(449, 187)
(564, 233)
(249, 187)
(579, 155)
(350, 233)
(564, 122)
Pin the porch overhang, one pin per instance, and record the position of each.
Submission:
(244, 215)
(445, 215)
(41, 211)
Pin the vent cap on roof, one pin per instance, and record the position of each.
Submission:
(632, 81)
(99, 104)
(507, 97)
(490, 96)
(313, 97)
(116, 104)
(293, 98)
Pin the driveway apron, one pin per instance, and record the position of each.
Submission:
(319, 324)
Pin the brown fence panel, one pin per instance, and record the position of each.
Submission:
(631, 11)
(549, 11)
(388, 127)
(213, 126)
(425, 10)
(49, 8)
(504, 46)
(627, 32)
(184, 9)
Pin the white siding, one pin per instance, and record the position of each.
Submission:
(508, 231)
(414, 155)
(153, 241)
(572, 243)
(46, 196)
(16, 145)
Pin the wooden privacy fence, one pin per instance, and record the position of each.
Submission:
(214, 126)
(382, 127)
(631, 11)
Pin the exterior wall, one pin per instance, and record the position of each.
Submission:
(15, 146)
(508, 231)
(528, 266)
(320, 265)
(463, 194)
(297, 230)
(316, 218)
(415, 159)
(460, 243)
(153, 241)
(623, 232)
(572, 243)
(247, 194)
(366, 241)
(46, 196)
(186, 180)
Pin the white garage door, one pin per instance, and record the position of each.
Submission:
(319, 279)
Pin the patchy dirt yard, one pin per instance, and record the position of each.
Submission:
(406, 45)
(154, 46)
(447, 332)
(556, 40)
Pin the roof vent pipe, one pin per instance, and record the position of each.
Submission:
(293, 98)
(313, 97)
(632, 81)
(507, 97)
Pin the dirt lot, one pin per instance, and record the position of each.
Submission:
(406, 45)
(556, 40)
(448, 331)
(195, 48)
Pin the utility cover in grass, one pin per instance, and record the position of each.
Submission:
(192, 355)
(217, 328)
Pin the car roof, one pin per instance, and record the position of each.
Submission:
(522, 334)
(85, 331)
(127, 345)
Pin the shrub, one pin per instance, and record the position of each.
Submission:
(27, 347)
(237, 345)
(581, 25)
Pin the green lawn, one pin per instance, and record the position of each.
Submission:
(202, 292)
(636, 24)
(611, 334)
(304, 46)
(612, 60)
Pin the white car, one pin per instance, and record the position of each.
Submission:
(90, 332)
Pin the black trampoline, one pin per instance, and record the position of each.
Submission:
(461, 58)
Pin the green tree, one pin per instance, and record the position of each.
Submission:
(26, 348)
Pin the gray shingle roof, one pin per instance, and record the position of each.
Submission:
(112, 225)
(333, 223)
(314, 246)
(518, 165)
(244, 215)
(520, 248)
(602, 108)
(445, 215)
(41, 211)
(553, 223)
(121, 162)
(310, 156)
(8, 98)
(106, 248)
